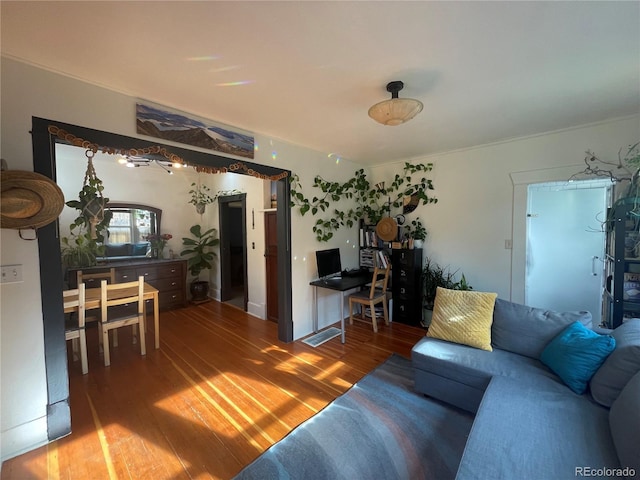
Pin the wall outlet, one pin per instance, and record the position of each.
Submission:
(11, 273)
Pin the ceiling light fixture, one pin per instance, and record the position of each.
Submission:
(133, 162)
(395, 111)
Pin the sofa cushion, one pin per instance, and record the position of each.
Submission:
(620, 366)
(139, 249)
(537, 428)
(575, 355)
(117, 250)
(624, 420)
(526, 330)
(471, 366)
(463, 316)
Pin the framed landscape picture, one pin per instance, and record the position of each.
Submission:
(162, 122)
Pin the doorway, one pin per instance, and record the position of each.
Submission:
(233, 250)
(566, 245)
(51, 282)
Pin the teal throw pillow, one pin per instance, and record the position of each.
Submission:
(576, 353)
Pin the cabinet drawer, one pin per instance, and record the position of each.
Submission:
(147, 272)
(171, 299)
(402, 274)
(165, 284)
(405, 257)
(404, 289)
(404, 306)
(168, 271)
(126, 275)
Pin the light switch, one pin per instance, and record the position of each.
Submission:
(11, 273)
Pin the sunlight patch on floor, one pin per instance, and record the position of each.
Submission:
(331, 373)
(220, 408)
(104, 445)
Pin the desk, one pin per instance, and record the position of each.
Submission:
(92, 302)
(339, 284)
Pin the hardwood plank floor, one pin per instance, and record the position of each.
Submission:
(220, 390)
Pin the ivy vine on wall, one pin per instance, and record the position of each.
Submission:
(371, 202)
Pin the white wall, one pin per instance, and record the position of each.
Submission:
(26, 91)
(482, 198)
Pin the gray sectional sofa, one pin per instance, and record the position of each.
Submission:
(528, 423)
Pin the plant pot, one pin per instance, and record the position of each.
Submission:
(428, 314)
(200, 208)
(199, 290)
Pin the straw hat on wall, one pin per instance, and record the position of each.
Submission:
(29, 200)
(387, 229)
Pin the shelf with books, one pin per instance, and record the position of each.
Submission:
(370, 246)
(621, 294)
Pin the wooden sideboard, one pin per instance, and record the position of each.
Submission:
(168, 276)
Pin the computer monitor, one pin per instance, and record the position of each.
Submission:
(328, 262)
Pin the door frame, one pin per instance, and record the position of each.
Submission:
(225, 260)
(51, 284)
(269, 285)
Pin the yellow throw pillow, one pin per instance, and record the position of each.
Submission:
(463, 316)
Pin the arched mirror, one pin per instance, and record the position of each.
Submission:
(129, 230)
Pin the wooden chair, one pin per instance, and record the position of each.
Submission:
(94, 279)
(114, 295)
(74, 327)
(375, 295)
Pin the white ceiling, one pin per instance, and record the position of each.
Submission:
(309, 71)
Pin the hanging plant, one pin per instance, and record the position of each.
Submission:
(372, 203)
(200, 197)
(89, 228)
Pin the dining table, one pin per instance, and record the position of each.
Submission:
(93, 298)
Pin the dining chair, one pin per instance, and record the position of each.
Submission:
(115, 295)
(74, 329)
(93, 279)
(372, 297)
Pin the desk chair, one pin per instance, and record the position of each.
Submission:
(113, 295)
(74, 329)
(375, 295)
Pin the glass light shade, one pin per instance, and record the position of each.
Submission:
(395, 111)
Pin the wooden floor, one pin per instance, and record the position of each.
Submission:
(220, 390)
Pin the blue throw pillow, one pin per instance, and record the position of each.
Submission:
(140, 249)
(576, 353)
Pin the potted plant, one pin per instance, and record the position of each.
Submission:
(200, 197)
(198, 248)
(434, 276)
(80, 250)
(416, 231)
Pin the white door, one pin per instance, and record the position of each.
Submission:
(565, 246)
